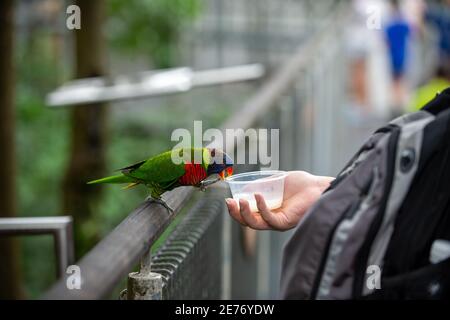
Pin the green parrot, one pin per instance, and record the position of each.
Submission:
(161, 173)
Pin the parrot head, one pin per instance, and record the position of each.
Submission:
(220, 164)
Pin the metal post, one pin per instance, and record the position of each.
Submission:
(144, 285)
(64, 247)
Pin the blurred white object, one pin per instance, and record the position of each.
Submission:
(148, 84)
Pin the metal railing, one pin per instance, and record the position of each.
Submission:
(303, 98)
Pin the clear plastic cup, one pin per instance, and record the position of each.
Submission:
(270, 184)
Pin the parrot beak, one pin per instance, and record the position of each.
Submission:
(226, 173)
(223, 168)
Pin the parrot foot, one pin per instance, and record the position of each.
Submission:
(206, 183)
(161, 202)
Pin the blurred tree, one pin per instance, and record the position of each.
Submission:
(150, 26)
(10, 277)
(88, 129)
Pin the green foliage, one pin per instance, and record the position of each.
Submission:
(41, 142)
(150, 26)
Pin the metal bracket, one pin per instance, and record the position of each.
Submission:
(59, 227)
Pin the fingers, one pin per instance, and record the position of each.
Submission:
(233, 209)
(262, 220)
(272, 219)
(252, 219)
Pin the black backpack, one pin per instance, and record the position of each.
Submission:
(382, 228)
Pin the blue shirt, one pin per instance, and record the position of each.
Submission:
(397, 34)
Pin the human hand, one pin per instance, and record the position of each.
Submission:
(301, 190)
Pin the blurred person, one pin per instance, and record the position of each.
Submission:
(358, 52)
(368, 72)
(414, 11)
(427, 92)
(398, 33)
(438, 15)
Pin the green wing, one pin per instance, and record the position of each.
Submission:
(159, 169)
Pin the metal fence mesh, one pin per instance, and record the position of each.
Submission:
(190, 261)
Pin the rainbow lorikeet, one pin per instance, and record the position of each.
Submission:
(161, 173)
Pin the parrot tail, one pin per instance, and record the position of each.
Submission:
(113, 179)
(131, 185)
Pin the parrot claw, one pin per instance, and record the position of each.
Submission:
(161, 202)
